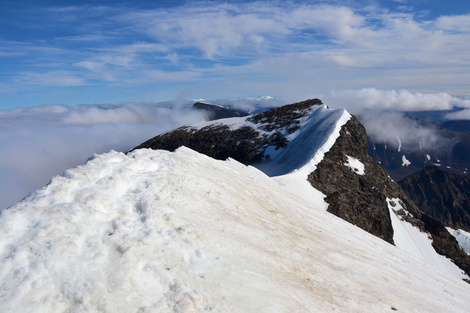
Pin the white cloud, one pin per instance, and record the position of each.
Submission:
(456, 23)
(296, 48)
(51, 78)
(402, 100)
(459, 115)
(404, 133)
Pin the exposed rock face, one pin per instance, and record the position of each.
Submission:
(361, 199)
(358, 199)
(443, 195)
(216, 112)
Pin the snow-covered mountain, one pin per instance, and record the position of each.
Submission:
(160, 231)
(329, 149)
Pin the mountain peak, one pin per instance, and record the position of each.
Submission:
(329, 149)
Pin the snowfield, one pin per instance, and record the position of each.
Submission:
(155, 231)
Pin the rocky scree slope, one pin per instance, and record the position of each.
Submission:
(441, 194)
(359, 198)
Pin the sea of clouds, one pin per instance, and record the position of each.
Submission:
(40, 142)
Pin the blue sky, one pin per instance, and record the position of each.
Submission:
(78, 77)
(74, 52)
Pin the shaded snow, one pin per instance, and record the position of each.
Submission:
(355, 165)
(463, 238)
(418, 244)
(307, 147)
(155, 231)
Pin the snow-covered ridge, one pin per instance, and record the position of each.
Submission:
(155, 231)
(290, 138)
(308, 146)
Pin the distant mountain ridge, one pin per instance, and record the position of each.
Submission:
(404, 156)
(216, 112)
(457, 125)
(441, 194)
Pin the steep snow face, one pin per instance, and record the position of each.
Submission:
(418, 244)
(155, 231)
(307, 147)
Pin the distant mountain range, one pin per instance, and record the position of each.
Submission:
(441, 194)
(215, 112)
(426, 144)
(457, 125)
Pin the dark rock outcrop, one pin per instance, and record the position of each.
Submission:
(361, 199)
(215, 112)
(245, 144)
(358, 199)
(441, 194)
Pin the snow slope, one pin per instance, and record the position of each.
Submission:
(418, 244)
(155, 231)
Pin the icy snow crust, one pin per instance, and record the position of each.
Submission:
(155, 231)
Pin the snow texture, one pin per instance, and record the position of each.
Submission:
(463, 238)
(158, 231)
(418, 244)
(355, 165)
